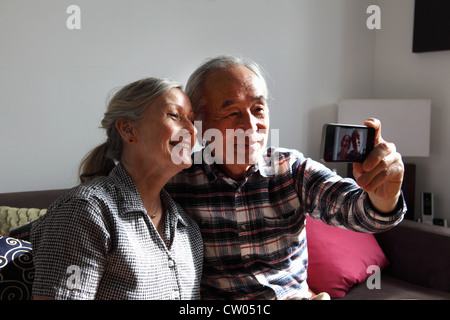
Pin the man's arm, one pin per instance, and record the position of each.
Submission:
(339, 201)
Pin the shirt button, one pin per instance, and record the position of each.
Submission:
(171, 263)
(176, 295)
(243, 227)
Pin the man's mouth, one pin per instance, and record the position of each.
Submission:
(249, 143)
(182, 145)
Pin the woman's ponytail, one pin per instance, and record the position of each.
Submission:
(96, 163)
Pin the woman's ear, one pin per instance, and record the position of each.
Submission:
(126, 130)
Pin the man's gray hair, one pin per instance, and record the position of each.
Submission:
(194, 86)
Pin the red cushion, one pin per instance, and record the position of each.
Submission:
(338, 258)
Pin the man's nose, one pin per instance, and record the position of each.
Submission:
(248, 122)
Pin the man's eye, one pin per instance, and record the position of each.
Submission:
(173, 115)
(260, 112)
(260, 108)
(232, 114)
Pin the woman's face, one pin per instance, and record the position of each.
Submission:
(345, 143)
(166, 133)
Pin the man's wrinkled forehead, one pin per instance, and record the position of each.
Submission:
(254, 99)
(234, 83)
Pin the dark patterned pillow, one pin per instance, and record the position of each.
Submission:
(16, 269)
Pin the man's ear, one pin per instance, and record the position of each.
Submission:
(126, 129)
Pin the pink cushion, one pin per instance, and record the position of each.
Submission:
(338, 258)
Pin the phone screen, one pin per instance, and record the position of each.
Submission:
(347, 143)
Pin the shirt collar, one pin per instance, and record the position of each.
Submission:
(130, 200)
(265, 166)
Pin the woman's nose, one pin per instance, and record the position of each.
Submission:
(191, 128)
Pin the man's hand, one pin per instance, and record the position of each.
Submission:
(381, 174)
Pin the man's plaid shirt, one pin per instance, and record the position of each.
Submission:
(254, 230)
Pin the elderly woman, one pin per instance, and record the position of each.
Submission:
(119, 235)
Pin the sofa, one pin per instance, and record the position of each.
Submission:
(412, 260)
(419, 264)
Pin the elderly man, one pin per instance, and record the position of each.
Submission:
(252, 213)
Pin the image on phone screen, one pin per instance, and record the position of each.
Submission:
(346, 143)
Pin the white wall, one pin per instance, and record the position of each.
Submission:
(54, 81)
(399, 73)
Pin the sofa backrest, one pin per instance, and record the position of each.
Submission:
(418, 253)
(31, 199)
(19, 208)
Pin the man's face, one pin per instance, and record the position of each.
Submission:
(236, 106)
(356, 141)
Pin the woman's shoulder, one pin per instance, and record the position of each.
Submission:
(98, 187)
(86, 201)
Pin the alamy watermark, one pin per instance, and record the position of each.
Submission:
(374, 280)
(73, 281)
(73, 21)
(236, 147)
(374, 21)
(74, 277)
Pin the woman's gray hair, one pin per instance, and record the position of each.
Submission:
(129, 102)
(194, 85)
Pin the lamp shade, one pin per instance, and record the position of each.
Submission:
(406, 123)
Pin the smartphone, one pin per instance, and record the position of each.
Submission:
(346, 142)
